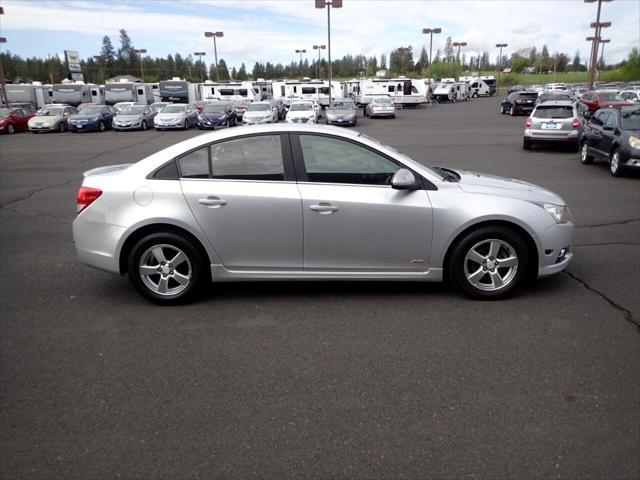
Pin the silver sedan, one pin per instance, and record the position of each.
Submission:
(301, 202)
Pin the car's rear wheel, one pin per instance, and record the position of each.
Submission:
(11, 129)
(101, 127)
(62, 127)
(489, 262)
(585, 156)
(512, 111)
(143, 125)
(502, 110)
(166, 268)
(614, 164)
(526, 144)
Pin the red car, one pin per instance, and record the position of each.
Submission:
(14, 119)
(601, 98)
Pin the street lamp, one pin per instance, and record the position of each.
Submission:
(328, 4)
(603, 41)
(301, 51)
(459, 44)
(200, 55)
(500, 46)
(597, 25)
(2, 80)
(318, 47)
(215, 48)
(98, 58)
(140, 52)
(430, 32)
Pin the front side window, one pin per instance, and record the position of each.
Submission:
(250, 158)
(612, 120)
(331, 160)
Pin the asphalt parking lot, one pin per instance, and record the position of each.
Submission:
(319, 380)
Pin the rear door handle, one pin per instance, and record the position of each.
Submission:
(213, 202)
(324, 208)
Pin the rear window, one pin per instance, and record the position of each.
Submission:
(528, 96)
(553, 112)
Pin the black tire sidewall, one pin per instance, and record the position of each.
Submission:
(455, 267)
(198, 266)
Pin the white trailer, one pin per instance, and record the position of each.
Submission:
(72, 93)
(43, 93)
(21, 93)
(97, 94)
(263, 89)
(177, 90)
(351, 88)
(490, 80)
(403, 91)
(479, 88)
(291, 90)
(444, 92)
(233, 91)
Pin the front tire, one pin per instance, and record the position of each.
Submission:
(166, 269)
(512, 111)
(101, 127)
(614, 164)
(11, 129)
(62, 128)
(526, 145)
(143, 125)
(489, 263)
(502, 110)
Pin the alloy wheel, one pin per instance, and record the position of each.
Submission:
(491, 265)
(11, 129)
(614, 165)
(165, 269)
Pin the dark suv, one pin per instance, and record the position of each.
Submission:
(518, 102)
(613, 134)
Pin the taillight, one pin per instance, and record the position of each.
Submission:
(576, 124)
(528, 123)
(86, 196)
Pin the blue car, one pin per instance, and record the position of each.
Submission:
(217, 115)
(92, 118)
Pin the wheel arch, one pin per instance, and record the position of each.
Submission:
(145, 230)
(526, 236)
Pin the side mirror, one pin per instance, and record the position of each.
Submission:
(404, 179)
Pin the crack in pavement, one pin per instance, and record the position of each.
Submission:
(620, 222)
(38, 190)
(33, 213)
(604, 244)
(626, 313)
(98, 155)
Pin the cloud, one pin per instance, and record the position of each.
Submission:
(272, 30)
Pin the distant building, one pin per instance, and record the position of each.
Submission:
(529, 70)
(123, 78)
(381, 73)
(507, 71)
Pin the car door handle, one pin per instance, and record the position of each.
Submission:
(213, 202)
(324, 208)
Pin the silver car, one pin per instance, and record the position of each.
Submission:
(380, 107)
(298, 202)
(553, 122)
(134, 117)
(176, 115)
(342, 112)
(51, 118)
(260, 112)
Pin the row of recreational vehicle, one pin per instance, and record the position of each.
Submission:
(403, 91)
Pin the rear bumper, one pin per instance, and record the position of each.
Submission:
(96, 243)
(551, 136)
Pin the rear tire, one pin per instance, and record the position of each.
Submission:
(101, 127)
(585, 157)
(11, 129)
(614, 164)
(489, 263)
(175, 283)
(512, 111)
(502, 111)
(526, 145)
(62, 128)
(143, 125)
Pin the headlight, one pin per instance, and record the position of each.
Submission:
(560, 213)
(634, 142)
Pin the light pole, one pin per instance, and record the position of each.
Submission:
(215, 48)
(603, 41)
(301, 51)
(140, 52)
(2, 80)
(459, 44)
(328, 4)
(499, 65)
(200, 55)
(98, 58)
(430, 32)
(318, 47)
(597, 25)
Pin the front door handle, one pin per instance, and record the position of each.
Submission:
(324, 208)
(213, 202)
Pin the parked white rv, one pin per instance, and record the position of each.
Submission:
(479, 88)
(71, 93)
(318, 90)
(404, 91)
(177, 90)
(263, 89)
(490, 80)
(97, 94)
(21, 93)
(351, 88)
(232, 91)
(452, 92)
(125, 91)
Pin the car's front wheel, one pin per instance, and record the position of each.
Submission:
(11, 129)
(585, 156)
(167, 269)
(512, 111)
(614, 164)
(489, 262)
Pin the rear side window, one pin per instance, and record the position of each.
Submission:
(249, 158)
(544, 111)
(168, 172)
(195, 164)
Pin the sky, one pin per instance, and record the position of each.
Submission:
(263, 30)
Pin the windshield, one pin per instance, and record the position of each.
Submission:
(50, 112)
(4, 112)
(132, 111)
(400, 154)
(301, 107)
(91, 111)
(342, 106)
(609, 97)
(215, 108)
(174, 109)
(259, 107)
(550, 111)
(630, 120)
(382, 100)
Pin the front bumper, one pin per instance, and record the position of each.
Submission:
(300, 120)
(256, 121)
(168, 125)
(43, 128)
(85, 127)
(629, 158)
(552, 258)
(341, 120)
(124, 126)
